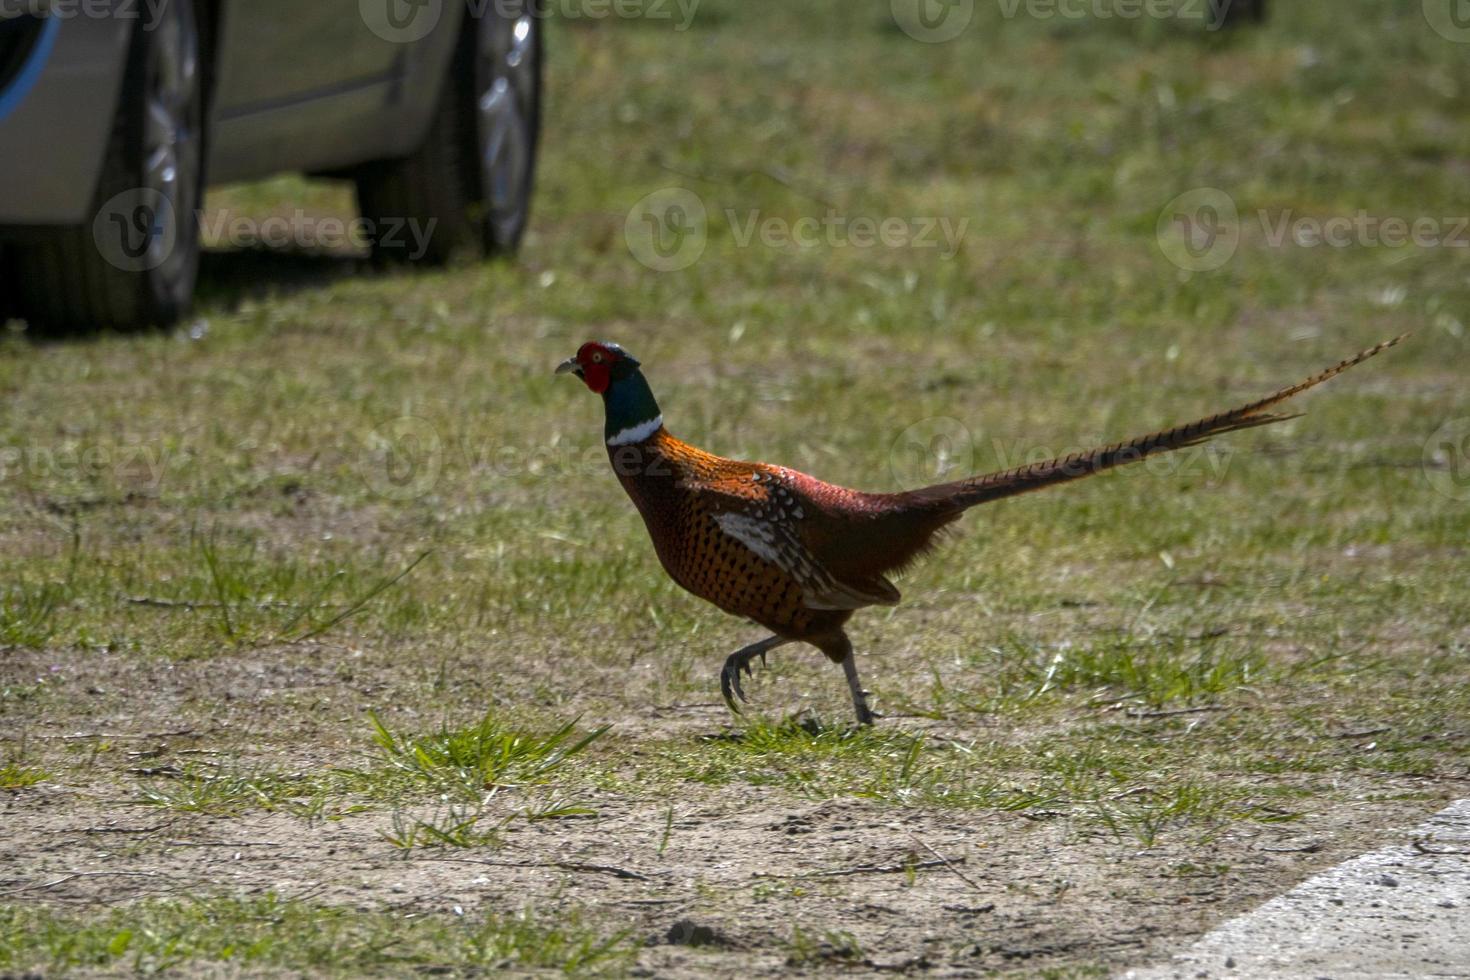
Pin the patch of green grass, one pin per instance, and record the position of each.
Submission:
(469, 764)
(1092, 778)
(833, 948)
(822, 761)
(454, 827)
(15, 776)
(251, 600)
(227, 790)
(475, 825)
(1079, 972)
(799, 753)
(489, 755)
(1145, 816)
(274, 933)
(28, 614)
(1155, 671)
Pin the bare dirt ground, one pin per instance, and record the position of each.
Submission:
(721, 880)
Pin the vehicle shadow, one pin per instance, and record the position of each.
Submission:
(228, 277)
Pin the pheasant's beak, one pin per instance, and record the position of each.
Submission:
(569, 366)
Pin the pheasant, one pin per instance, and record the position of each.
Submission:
(798, 556)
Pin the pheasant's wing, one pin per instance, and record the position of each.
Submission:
(778, 526)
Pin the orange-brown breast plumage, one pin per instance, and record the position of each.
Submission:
(773, 545)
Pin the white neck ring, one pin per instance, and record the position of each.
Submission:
(637, 433)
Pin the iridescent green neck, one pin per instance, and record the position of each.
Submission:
(632, 412)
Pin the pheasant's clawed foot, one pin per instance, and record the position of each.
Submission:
(730, 681)
(730, 676)
(866, 716)
(741, 660)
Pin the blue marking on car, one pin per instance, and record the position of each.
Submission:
(30, 72)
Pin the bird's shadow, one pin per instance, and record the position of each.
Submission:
(803, 724)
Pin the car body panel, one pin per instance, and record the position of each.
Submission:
(298, 85)
(272, 53)
(53, 138)
(285, 99)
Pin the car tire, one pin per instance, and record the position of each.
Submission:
(466, 192)
(134, 264)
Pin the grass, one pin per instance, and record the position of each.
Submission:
(230, 791)
(26, 617)
(484, 757)
(834, 947)
(1152, 671)
(160, 936)
(469, 765)
(456, 827)
(13, 776)
(1093, 778)
(351, 533)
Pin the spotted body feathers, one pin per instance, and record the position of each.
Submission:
(763, 542)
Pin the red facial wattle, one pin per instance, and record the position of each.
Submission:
(597, 374)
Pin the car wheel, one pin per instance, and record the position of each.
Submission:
(468, 188)
(135, 262)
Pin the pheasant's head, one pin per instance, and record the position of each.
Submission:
(600, 365)
(632, 412)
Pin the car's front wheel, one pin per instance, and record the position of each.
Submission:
(467, 190)
(134, 262)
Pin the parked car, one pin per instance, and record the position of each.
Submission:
(115, 114)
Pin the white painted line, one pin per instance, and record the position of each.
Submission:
(1393, 913)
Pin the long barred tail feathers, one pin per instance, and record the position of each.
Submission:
(1023, 479)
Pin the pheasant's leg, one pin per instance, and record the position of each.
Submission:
(865, 714)
(740, 660)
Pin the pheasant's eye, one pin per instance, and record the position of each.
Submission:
(597, 358)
